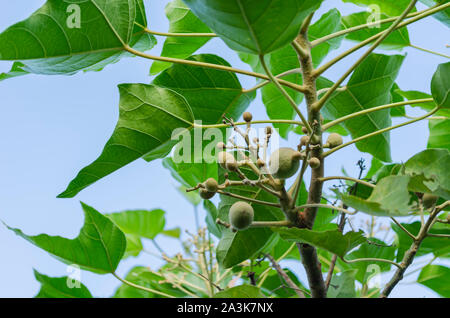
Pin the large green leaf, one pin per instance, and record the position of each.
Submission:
(332, 241)
(389, 198)
(440, 85)
(369, 86)
(48, 43)
(254, 26)
(439, 133)
(429, 172)
(397, 40)
(241, 291)
(99, 247)
(342, 286)
(134, 246)
(190, 174)
(58, 287)
(182, 20)
(391, 8)
(428, 106)
(437, 278)
(142, 223)
(148, 116)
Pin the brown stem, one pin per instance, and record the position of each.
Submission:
(285, 277)
(308, 253)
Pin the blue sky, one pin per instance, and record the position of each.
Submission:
(51, 127)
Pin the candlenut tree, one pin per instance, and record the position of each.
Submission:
(268, 210)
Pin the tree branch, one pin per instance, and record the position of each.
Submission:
(285, 276)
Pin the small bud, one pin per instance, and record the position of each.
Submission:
(315, 139)
(334, 140)
(268, 130)
(260, 163)
(314, 163)
(304, 130)
(232, 166)
(304, 140)
(248, 117)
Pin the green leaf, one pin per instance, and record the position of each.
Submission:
(369, 86)
(141, 276)
(148, 115)
(444, 15)
(16, 70)
(241, 291)
(210, 93)
(58, 287)
(190, 174)
(440, 85)
(332, 241)
(397, 40)
(429, 172)
(49, 43)
(142, 223)
(437, 245)
(389, 198)
(98, 248)
(134, 246)
(391, 8)
(396, 98)
(173, 233)
(254, 26)
(193, 197)
(342, 286)
(182, 20)
(437, 278)
(439, 133)
(378, 249)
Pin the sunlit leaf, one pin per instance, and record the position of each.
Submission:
(142, 223)
(60, 287)
(437, 278)
(99, 247)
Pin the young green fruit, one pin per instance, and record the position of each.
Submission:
(429, 200)
(211, 185)
(334, 140)
(284, 162)
(241, 215)
(205, 194)
(314, 163)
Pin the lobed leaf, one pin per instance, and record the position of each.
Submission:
(98, 248)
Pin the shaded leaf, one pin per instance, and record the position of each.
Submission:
(254, 26)
(439, 133)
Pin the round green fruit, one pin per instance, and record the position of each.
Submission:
(284, 163)
(429, 200)
(334, 140)
(211, 185)
(314, 163)
(225, 158)
(241, 215)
